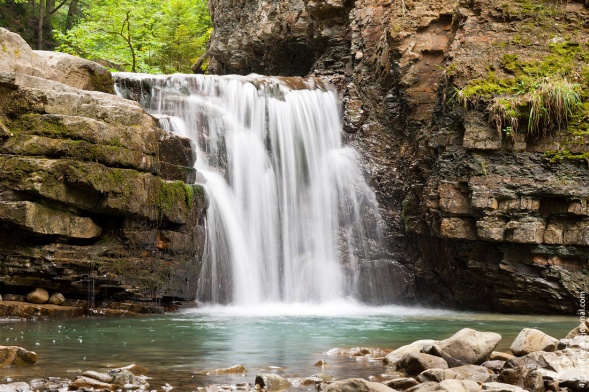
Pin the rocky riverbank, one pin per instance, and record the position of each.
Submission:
(464, 362)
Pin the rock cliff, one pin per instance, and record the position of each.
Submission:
(94, 197)
(472, 119)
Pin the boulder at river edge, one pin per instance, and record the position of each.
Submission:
(530, 340)
(15, 356)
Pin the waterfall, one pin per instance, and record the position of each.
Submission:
(290, 216)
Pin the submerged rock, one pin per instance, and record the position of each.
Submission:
(373, 352)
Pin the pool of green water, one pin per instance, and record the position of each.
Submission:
(283, 339)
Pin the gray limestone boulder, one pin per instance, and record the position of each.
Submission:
(530, 340)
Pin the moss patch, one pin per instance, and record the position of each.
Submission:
(544, 95)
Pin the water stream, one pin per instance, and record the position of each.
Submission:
(290, 217)
(180, 348)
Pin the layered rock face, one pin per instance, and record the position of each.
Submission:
(482, 216)
(95, 201)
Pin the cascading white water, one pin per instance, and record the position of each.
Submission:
(290, 214)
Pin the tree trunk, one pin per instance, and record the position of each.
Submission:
(40, 26)
(72, 13)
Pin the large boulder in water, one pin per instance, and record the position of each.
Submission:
(468, 346)
(395, 356)
(14, 356)
(530, 340)
(415, 363)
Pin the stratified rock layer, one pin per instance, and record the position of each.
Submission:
(476, 218)
(95, 198)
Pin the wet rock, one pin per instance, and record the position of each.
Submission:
(50, 384)
(229, 370)
(15, 387)
(316, 379)
(395, 356)
(273, 382)
(356, 385)
(103, 377)
(15, 356)
(134, 368)
(88, 382)
(530, 340)
(401, 383)
(468, 346)
(415, 363)
(38, 296)
(122, 377)
(56, 299)
(321, 363)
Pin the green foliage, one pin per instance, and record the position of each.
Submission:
(141, 36)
